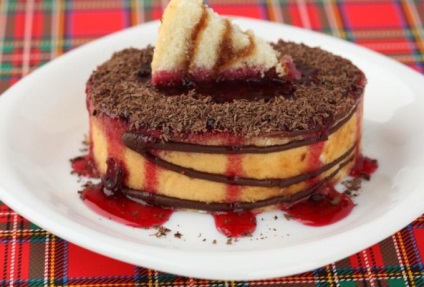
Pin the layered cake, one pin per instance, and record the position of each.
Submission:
(215, 119)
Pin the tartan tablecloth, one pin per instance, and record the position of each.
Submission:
(34, 32)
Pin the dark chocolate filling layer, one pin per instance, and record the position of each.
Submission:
(138, 144)
(172, 202)
(138, 141)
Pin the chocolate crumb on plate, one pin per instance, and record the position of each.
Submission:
(161, 231)
(288, 217)
(352, 186)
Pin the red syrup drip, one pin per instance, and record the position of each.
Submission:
(107, 200)
(114, 128)
(315, 151)
(324, 207)
(364, 167)
(84, 166)
(234, 224)
(150, 176)
(234, 169)
(123, 210)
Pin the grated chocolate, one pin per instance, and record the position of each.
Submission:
(329, 89)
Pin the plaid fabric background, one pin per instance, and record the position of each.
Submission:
(33, 32)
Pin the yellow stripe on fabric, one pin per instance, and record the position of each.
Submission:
(330, 278)
(134, 13)
(404, 254)
(415, 22)
(4, 233)
(52, 259)
(338, 19)
(61, 26)
(379, 34)
(150, 273)
(273, 10)
(399, 255)
(334, 18)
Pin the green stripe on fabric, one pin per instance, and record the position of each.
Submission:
(397, 283)
(347, 284)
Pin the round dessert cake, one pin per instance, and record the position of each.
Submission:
(232, 145)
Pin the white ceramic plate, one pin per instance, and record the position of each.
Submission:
(43, 121)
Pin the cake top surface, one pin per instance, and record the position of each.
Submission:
(197, 44)
(327, 92)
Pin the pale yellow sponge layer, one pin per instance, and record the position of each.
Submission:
(195, 42)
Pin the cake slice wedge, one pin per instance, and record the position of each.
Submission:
(197, 45)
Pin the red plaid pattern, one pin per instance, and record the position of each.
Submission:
(33, 32)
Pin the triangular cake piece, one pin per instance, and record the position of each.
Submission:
(196, 44)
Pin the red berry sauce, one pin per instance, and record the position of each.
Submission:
(235, 224)
(123, 210)
(84, 166)
(364, 167)
(108, 200)
(324, 207)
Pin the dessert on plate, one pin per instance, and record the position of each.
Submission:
(215, 118)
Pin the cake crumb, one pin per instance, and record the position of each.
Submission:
(86, 141)
(229, 240)
(178, 235)
(214, 241)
